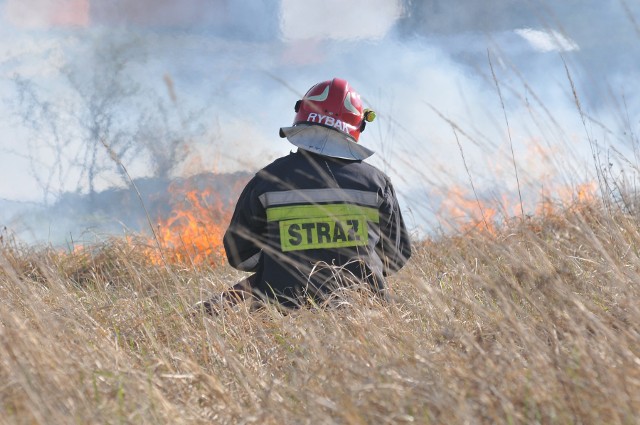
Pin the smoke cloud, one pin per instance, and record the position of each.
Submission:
(464, 90)
(34, 14)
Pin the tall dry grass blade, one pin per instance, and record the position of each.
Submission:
(473, 188)
(114, 158)
(593, 143)
(506, 120)
(632, 18)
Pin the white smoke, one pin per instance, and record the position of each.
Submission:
(338, 20)
(547, 41)
(424, 66)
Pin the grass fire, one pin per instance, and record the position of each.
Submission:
(192, 235)
(187, 236)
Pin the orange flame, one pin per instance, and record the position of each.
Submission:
(192, 235)
(567, 197)
(463, 212)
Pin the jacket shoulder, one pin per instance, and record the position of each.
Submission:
(278, 163)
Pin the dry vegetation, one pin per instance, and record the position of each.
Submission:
(539, 323)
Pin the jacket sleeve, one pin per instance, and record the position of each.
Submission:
(394, 247)
(244, 239)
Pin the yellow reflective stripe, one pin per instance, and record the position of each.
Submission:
(331, 211)
(321, 233)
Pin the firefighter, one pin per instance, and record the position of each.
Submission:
(319, 218)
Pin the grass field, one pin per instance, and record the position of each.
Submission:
(537, 322)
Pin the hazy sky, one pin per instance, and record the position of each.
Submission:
(237, 67)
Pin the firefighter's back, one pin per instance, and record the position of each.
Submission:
(322, 219)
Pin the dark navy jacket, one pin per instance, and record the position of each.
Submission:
(307, 223)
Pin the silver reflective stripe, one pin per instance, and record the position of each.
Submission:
(350, 107)
(315, 196)
(250, 263)
(320, 97)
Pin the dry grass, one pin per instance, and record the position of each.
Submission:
(537, 324)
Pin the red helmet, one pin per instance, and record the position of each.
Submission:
(333, 105)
